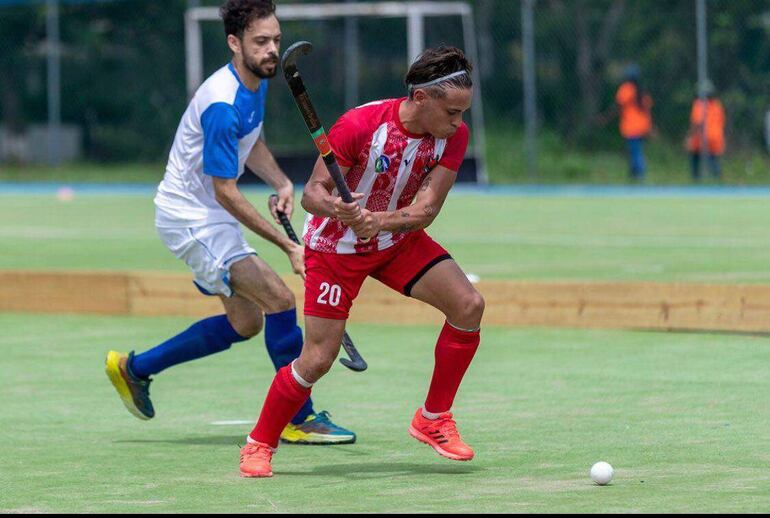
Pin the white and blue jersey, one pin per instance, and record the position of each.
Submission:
(217, 132)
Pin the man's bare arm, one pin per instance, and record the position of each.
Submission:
(317, 197)
(230, 197)
(430, 198)
(262, 162)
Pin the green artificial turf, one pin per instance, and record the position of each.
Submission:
(715, 240)
(682, 418)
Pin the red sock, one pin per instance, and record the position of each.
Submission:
(283, 401)
(454, 352)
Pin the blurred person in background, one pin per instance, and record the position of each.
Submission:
(634, 106)
(712, 113)
(199, 209)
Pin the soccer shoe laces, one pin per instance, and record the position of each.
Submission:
(323, 415)
(448, 426)
(257, 450)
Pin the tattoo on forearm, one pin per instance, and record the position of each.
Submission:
(426, 183)
(406, 227)
(428, 210)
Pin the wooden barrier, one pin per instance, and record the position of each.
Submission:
(65, 292)
(628, 305)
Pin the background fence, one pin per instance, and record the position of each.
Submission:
(123, 78)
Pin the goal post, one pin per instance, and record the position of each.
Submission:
(415, 14)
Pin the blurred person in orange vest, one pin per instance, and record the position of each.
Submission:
(715, 131)
(634, 105)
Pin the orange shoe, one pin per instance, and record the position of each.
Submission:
(441, 435)
(255, 460)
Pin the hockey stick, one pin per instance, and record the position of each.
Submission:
(313, 123)
(356, 362)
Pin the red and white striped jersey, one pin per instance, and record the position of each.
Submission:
(387, 164)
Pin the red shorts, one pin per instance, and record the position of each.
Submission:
(332, 281)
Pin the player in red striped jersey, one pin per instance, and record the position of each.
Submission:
(400, 158)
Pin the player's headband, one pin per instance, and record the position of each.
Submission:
(439, 80)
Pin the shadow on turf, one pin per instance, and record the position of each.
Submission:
(236, 441)
(202, 440)
(387, 469)
(432, 465)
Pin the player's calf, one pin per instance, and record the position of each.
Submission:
(245, 316)
(323, 338)
(287, 394)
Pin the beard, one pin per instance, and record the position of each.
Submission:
(261, 69)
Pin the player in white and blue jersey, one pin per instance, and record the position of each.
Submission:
(199, 210)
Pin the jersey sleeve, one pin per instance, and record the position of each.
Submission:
(347, 137)
(220, 141)
(456, 145)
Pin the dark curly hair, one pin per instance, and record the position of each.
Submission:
(436, 63)
(238, 14)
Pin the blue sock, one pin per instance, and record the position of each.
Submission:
(203, 338)
(283, 339)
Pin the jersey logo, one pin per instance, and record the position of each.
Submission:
(251, 117)
(382, 164)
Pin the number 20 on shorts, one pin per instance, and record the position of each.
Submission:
(330, 294)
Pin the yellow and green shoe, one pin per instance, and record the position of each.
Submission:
(133, 390)
(317, 429)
